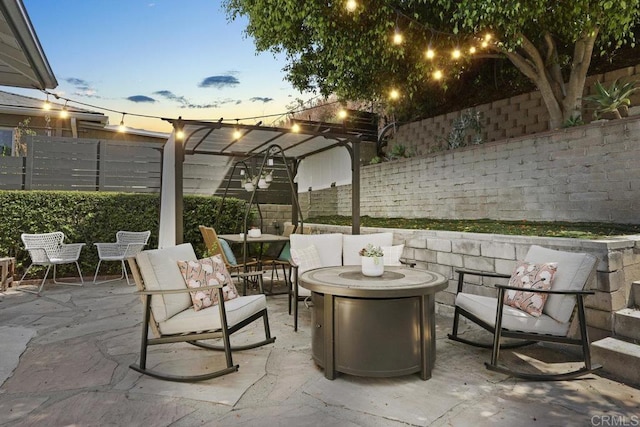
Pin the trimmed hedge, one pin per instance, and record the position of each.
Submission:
(89, 217)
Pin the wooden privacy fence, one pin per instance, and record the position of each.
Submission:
(54, 163)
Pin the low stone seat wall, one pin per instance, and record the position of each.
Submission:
(444, 251)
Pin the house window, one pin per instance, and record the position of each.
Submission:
(6, 141)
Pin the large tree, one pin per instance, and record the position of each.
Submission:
(349, 52)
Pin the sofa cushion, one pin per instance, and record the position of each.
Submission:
(207, 272)
(329, 246)
(528, 275)
(573, 272)
(306, 258)
(392, 255)
(512, 318)
(352, 243)
(159, 270)
(236, 309)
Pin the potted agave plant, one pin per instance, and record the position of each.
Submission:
(372, 260)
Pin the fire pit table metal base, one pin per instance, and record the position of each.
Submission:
(360, 328)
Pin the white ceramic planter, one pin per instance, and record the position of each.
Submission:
(372, 266)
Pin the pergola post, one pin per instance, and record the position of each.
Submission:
(355, 187)
(179, 197)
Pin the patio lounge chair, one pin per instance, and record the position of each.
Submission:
(48, 249)
(573, 272)
(127, 245)
(170, 316)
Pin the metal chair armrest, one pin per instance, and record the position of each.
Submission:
(176, 291)
(547, 291)
(70, 250)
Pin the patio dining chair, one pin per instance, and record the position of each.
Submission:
(49, 249)
(520, 313)
(245, 272)
(127, 245)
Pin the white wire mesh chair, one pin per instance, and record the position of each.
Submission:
(48, 249)
(127, 245)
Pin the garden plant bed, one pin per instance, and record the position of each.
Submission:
(577, 230)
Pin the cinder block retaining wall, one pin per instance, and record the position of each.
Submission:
(584, 173)
(506, 118)
(444, 251)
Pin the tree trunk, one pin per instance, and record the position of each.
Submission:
(562, 101)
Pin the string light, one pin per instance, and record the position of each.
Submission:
(437, 75)
(295, 128)
(430, 53)
(351, 5)
(47, 105)
(180, 134)
(236, 132)
(122, 127)
(342, 114)
(472, 50)
(64, 113)
(397, 37)
(394, 94)
(456, 54)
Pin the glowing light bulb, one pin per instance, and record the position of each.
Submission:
(487, 37)
(455, 54)
(295, 128)
(397, 38)
(394, 94)
(472, 50)
(437, 75)
(430, 53)
(484, 43)
(64, 113)
(351, 5)
(46, 105)
(342, 114)
(237, 134)
(180, 135)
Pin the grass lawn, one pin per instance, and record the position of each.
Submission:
(577, 230)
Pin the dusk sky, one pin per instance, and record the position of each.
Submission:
(165, 58)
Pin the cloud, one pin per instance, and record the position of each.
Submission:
(263, 99)
(140, 98)
(219, 82)
(82, 87)
(184, 102)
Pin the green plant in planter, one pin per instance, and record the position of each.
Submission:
(612, 100)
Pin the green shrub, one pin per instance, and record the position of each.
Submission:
(89, 217)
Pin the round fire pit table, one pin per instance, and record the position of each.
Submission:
(373, 326)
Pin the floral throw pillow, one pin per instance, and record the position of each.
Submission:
(207, 272)
(530, 276)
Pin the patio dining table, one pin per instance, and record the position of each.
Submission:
(261, 240)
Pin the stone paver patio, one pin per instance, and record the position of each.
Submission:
(64, 360)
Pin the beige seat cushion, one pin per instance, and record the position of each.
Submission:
(512, 318)
(573, 272)
(159, 270)
(329, 246)
(351, 245)
(208, 319)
